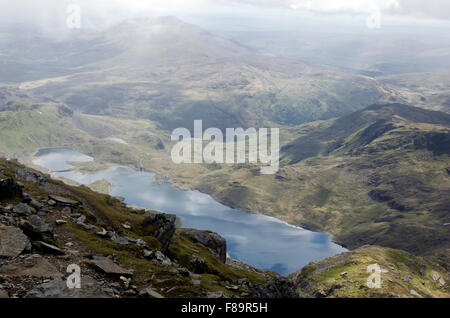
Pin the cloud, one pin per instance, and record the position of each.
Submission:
(51, 13)
(347, 6)
(439, 9)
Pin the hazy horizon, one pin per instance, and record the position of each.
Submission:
(323, 16)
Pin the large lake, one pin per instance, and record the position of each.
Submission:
(258, 240)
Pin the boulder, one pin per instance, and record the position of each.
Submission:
(10, 189)
(125, 240)
(213, 241)
(198, 265)
(161, 226)
(23, 209)
(57, 288)
(12, 241)
(37, 229)
(157, 256)
(35, 204)
(39, 225)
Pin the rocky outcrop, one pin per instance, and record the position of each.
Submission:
(213, 241)
(30, 176)
(385, 196)
(161, 226)
(279, 287)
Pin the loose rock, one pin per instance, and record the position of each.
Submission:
(23, 209)
(63, 201)
(151, 293)
(12, 241)
(48, 248)
(57, 288)
(109, 267)
(157, 256)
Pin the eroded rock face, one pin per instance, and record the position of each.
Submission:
(12, 241)
(161, 226)
(213, 241)
(10, 189)
(57, 288)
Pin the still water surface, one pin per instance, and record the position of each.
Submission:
(259, 240)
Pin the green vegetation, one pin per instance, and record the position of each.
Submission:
(346, 275)
(327, 179)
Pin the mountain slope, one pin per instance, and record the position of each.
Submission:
(173, 73)
(387, 181)
(350, 133)
(346, 275)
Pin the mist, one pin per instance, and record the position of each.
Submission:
(50, 16)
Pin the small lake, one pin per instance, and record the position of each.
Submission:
(261, 241)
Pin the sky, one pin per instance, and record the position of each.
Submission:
(51, 14)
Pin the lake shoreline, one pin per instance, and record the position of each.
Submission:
(136, 185)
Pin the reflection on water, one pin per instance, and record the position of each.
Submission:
(259, 240)
(56, 158)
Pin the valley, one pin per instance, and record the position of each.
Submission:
(365, 158)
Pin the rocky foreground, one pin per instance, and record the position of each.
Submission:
(46, 227)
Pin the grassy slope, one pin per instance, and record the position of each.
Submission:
(346, 275)
(430, 89)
